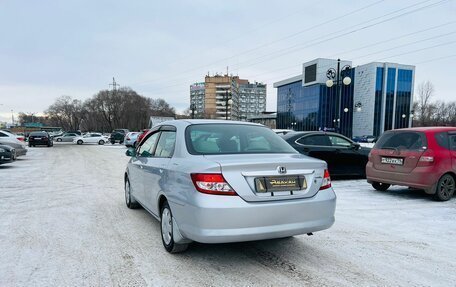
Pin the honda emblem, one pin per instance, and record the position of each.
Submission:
(282, 169)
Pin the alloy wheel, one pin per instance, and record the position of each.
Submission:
(446, 187)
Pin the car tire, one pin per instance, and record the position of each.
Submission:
(166, 231)
(380, 186)
(59, 140)
(101, 142)
(79, 142)
(130, 200)
(30, 145)
(445, 188)
(113, 142)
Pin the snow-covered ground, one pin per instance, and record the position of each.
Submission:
(63, 222)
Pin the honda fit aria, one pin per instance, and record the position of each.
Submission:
(422, 158)
(217, 181)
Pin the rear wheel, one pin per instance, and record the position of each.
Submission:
(79, 142)
(59, 139)
(166, 228)
(445, 188)
(380, 186)
(101, 142)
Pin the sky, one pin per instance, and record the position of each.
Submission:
(158, 48)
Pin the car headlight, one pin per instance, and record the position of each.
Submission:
(2, 150)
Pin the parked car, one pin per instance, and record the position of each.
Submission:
(421, 158)
(91, 138)
(118, 135)
(142, 135)
(216, 181)
(40, 138)
(7, 138)
(66, 137)
(131, 139)
(343, 156)
(7, 154)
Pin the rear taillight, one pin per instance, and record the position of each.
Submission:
(427, 158)
(212, 183)
(326, 183)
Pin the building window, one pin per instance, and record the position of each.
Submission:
(310, 73)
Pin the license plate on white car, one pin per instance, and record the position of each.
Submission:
(393, 160)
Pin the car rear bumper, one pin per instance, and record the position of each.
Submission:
(421, 177)
(21, 151)
(222, 219)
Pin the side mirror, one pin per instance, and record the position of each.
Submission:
(130, 152)
(356, 146)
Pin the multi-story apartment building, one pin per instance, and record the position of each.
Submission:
(378, 97)
(227, 97)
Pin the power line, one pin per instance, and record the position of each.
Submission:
(288, 50)
(325, 38)
(277, 40)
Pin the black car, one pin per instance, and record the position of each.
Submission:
(118, 135)
(7, 154)
(343, 156)
(40, 138)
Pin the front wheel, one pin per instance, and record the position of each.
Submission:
(130, 200)
(101, 142)
(445, 188)
(166, 228)
(79, 142)
(59, 140)
(380, 186)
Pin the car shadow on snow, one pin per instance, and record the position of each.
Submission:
(401, 192)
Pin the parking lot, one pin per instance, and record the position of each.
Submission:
(64, 222)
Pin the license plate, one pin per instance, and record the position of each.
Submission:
(393, 160)
(36, 138)
(280, 183)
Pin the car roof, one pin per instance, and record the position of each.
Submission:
(187, 122)
(428, 129)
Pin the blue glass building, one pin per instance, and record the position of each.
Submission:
(378, 98)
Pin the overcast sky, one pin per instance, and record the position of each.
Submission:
(158, 48)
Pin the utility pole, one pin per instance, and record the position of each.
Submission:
(114, 84)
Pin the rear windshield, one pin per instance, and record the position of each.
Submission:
(402, 141)
(38, 134)
(208, 139)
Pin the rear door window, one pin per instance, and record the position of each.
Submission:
(442, 139)
(452, 142)
(316, 140)
(402, 141)
(339, 141)
(165, 145)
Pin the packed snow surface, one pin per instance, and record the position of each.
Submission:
(63, 222)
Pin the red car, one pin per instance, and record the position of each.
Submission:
(141, 136)
(422, 158)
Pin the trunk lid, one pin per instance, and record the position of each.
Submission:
(241, 170)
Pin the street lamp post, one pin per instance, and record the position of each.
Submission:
(335, 77)
(193, 109)
(228, 102)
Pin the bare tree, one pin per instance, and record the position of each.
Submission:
(66, 112)
(426, 91)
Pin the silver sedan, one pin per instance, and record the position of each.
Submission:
(218, 181)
